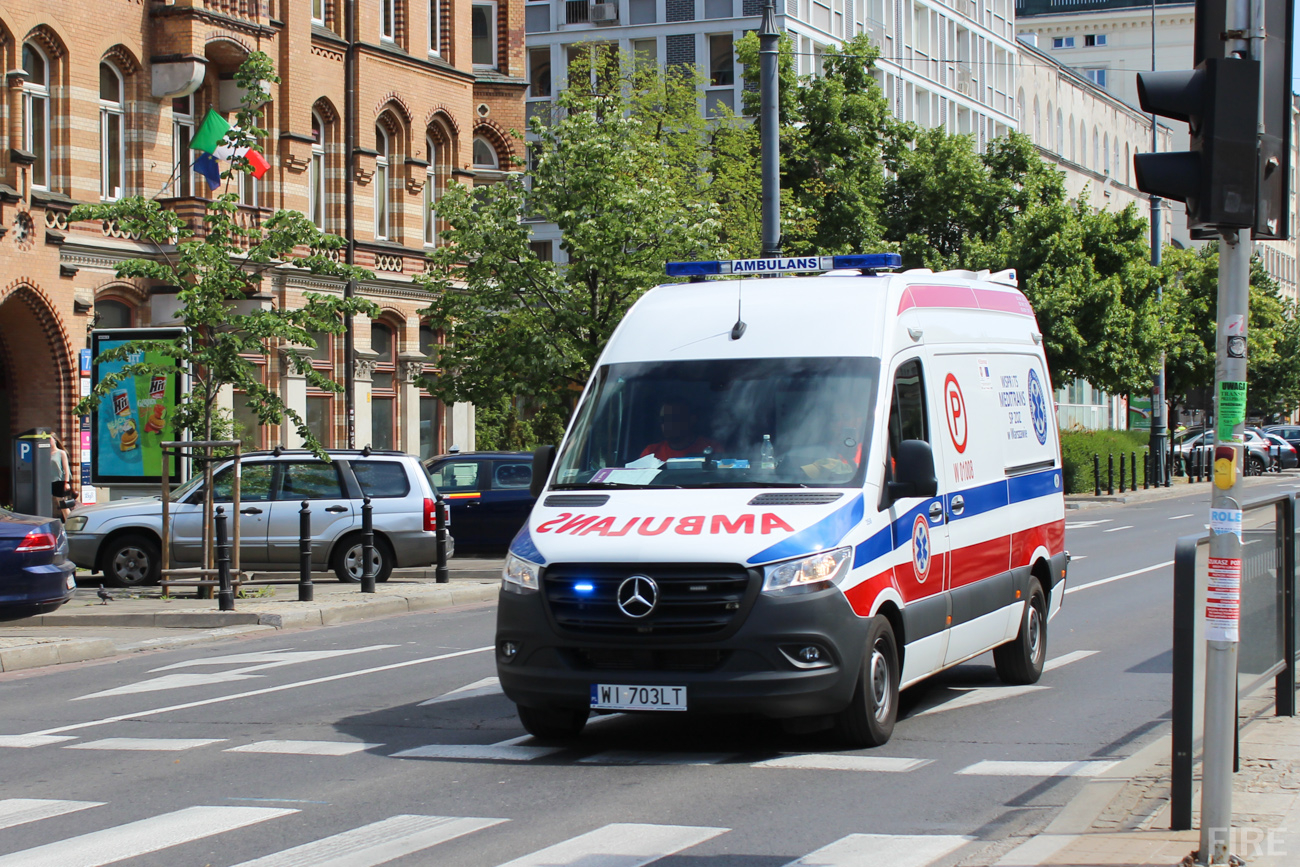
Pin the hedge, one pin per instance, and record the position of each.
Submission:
(1078, 447)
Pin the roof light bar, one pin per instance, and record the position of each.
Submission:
(729, 267)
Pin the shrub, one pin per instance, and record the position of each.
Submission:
(1078, 447)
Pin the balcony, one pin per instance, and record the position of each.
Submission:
(184, 25)
(192, 210)
(256, 11)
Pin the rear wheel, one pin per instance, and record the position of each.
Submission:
(1021, 661)
(552, 723)
(133, 560)
(1254, 465)
(349, 560)
(868, 721)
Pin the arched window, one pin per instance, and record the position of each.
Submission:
(36, 113)
(112, 141)
(1128, 166)
(1038, 128)
(112, 314)
(1060, 133)
(316, 173)
(1105, 154)
(381, 183)
(1073, 153)
(1096, 151)
(433, 176)
(383, 387)
(485, 156)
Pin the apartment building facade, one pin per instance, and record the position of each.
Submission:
(102, 100)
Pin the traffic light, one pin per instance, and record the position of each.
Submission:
(1216, 178)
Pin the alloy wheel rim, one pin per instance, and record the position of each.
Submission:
(131, 564)
(1035, 632)
(880, 683)
(354, 564)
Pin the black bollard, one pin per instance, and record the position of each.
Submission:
(1169, 470)
(440, 575)
(1133, 468)
(1146, 470)
(1121, 472)
(306, 590)
(367, 547)
(1096, 475)
(225, 593)
(1110, 474)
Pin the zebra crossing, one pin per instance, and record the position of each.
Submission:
(622, 844)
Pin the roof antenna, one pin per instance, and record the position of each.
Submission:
(738, 330)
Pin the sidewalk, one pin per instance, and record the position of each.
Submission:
(1179, 486)
(143, 619)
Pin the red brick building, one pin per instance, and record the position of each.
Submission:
(100, 100)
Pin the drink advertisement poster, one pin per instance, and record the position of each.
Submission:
(130, 423)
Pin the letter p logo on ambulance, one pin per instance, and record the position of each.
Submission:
(955, 409)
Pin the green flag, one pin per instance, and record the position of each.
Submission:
(212, 132)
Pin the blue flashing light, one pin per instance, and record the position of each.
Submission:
(869, 262)
(872, 261)
(584, 587)
(693, 269)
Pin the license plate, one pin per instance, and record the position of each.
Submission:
(614, 696)
(72, 581)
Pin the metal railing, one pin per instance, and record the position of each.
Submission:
(1268, 630)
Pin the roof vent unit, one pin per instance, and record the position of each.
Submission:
(603, 13)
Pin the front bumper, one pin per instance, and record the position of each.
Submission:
(751, 674)
(83, 548)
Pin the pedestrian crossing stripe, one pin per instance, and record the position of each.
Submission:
(165, 745)
(305, 748)
(489, 752)
(832, 762)
(20, 811)
(873, 850)
(375, 843)
(1038, 769)
(619, 845)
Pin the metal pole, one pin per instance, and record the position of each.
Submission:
(367, 547)
(440, 574)
(349, 368)
(349, 207)
(306, 590)
(769, 89)
(225, 595)
(1159, 421)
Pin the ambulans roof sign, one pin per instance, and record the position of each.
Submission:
(130, 423)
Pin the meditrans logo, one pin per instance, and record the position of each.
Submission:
(1038, 406)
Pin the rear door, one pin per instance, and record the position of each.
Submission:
(332, 512)
(461, 482)
(254, 495)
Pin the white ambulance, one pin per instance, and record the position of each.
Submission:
(792, 496)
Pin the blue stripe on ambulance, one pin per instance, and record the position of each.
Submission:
(822, 535)
(522, 546)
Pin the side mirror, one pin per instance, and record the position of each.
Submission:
(543, 460)
(913, 471)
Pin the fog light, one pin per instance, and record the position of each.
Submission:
(810, 654)
(508, 650)
(807, 655)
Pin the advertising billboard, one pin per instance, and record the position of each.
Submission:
(130, 423)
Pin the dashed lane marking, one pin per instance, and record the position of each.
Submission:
(1117, 529)
(1142, 571)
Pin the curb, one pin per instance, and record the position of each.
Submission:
(55, 652)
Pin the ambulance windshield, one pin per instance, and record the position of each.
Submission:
(753, 422)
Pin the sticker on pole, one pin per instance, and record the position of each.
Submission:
(1223, 600)
(1225, 521)
(1231, 408)
(955, 409)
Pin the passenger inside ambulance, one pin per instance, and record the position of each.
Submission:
(679, 424)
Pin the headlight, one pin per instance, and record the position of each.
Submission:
(519, 576)
(76, 523)
(807, 573)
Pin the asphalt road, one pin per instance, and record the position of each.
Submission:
(243, 751)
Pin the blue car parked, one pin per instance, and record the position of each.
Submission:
(487, 493)
(36, 575)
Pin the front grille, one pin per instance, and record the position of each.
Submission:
(604, 659)
(693, 599)
(796, 498)
(575, 501)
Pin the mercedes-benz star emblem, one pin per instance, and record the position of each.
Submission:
(637, 596)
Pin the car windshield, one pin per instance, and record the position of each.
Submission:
(753, 422)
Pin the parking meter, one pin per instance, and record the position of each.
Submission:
(32, 473)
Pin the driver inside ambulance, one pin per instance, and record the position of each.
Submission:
(679, 424)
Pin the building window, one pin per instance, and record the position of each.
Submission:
(539, 73)
(36, 113)
(428, 403)
(483, 33)
(383, 387)
(112, 141)
(318, 12)
(1094, 40)
(722, 61)
(1096, 76)
(433, 180)
(316, 173)
(182, 135)
(485, 156)
(1063, 42)
(320, 404)
(112, 314)
(381, 183)
(247, 189)
(435, 27)
(645, 51)
(388, 20)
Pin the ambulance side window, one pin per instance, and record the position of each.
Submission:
(907, 420)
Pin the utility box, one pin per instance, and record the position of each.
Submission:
(33, 474)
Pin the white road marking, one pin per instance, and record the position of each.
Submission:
(252, 693)
(979, 695)
(871, 850)
(268, 659)
(161, 745)
(1079, 525)
(20, 811)
(1035, 769)
(376, 843)
(1066, 659)
(637, 757)
(486, 686)
(140, 838)
(305, 748)
(486, 752)
(833, 762)
(1117, 529)
(1142, 571)
(1180, 517)
(28, 741)
(619, 845)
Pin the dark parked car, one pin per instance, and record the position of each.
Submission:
(1283, 451)
(1258, 459)
(1288, 432)
(487, 493)
(36, 575)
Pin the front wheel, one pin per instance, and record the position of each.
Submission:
(349, 560)
(869, 719)
(1254, 465)
(132, 561)
(1021, 661)
(553, 723)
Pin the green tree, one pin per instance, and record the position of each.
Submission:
(621, 169)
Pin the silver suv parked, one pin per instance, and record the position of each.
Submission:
(122, 538)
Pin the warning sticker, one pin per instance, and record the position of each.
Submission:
(1223, 599)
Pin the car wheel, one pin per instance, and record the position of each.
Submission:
(132, 561)
(553, 723)
(1020, 661)
(348, 560)
(868, 721)
(1254, 465)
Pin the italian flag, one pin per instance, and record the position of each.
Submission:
(211, 138)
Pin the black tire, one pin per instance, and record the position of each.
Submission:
(1254, 465)
(1020, 661)
(347, 560)
(552, 723)
(869, 719)
(132, 560)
